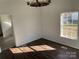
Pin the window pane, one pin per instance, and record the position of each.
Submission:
(69, 25)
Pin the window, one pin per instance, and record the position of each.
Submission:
(69, 25)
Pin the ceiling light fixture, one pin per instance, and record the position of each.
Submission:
(38, 3)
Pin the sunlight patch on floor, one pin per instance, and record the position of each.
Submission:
(26, 49)
(42, 48)
(15, 50)
(37, 48)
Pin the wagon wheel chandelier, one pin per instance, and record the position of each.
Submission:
(38, 3)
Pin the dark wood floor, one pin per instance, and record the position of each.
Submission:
(61, 52)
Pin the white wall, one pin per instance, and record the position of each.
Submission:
(26, 20)
(26, 23)
(51, 21)
(75, 5)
